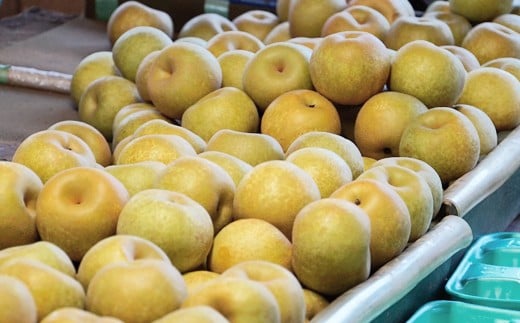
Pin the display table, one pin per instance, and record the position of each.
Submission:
(485, 200)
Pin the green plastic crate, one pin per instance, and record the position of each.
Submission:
(454, 311)
(489, 273)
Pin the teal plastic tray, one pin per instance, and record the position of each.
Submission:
(455, 311)
(489, 273)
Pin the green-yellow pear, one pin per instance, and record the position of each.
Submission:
(225, 108)
(43, 281)
(342, 146)
(171, 220)
(349, 67)
(196, 73)
(391, 9)
(90, 135)
(132, 14)
(445, 139)
(169, 128)
(508, 64)
(239, 300)
(491, 40)
(480, 10)
(234, 166)
(257, 22)
(430, 73)
(133, 45)
(458, 25)
(233, 64)
(90, 68)
(314, 303)
(337, 233)
(116, 248)
(161, 148)
(20, 187)
(16, 301)
(414, 191)
(138, 176)
(306, 17)
(467, 58)
(409, 28)
(249, 239)
(205, 26)
(390, 223)
(275, 69)
(480, 91)
(233, 40)
(282, 283)
(43, 251)
(103, 99)
(48, 152)
(195, 314)
(251, 147)
(357, 18)
(487, 132)
(203, 181)
(141, 75)
(275, 191)
(76, 315)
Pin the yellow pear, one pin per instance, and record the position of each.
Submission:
(257, 22)
(252, 148)
(458, 25)
(480, 10)
(240, 300)
(314, 303)
(349, 67)
(195, 314)
(16, 301)
(138, 176)
(431, 137)
(161, 148)
(391, 9)
(233, 64)
(196, 278)
(509, 20)
(390, 223)
(486, 129)
(342, 146)
(91, 136)
(249, 239)
(133, 45)
(508, 64)
(491, 40)
(280, 281)
(205, 26)
(42, 281)
(278, 34)
(89, 69)
(357, 18)
(76, 315)
(20, 188)
(203, 181)
(47, 152)
(275, 69)
(171, 220)
(114, 292)
(327, 168)
(103, 99)
(409, 28)
(394, 108)
(296, 112)
(158, 126)
(78, 207)
(274, 191)
(196, 73)
(467, 58)
(413, 189)
(141, 75)
(480, 91)
(233, 40)
(225, 108)
(337, 233)
(306, 17)
(133, 14)
(234, 166)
